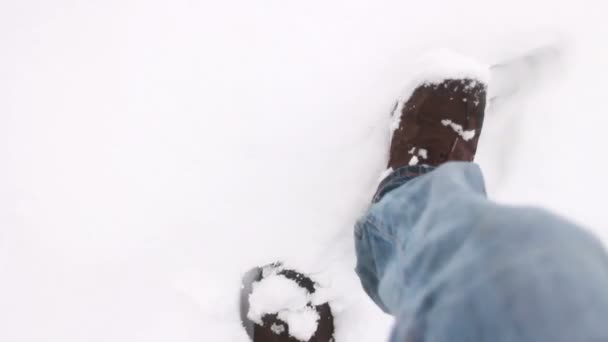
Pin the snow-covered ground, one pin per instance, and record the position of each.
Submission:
(153, 151)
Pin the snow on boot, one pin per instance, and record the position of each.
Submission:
(279, 305)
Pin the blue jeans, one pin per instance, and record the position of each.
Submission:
(452, 266)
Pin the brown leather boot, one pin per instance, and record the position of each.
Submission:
(439, 122)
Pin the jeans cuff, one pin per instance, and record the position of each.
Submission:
(399, 177)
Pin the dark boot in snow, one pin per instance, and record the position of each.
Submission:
(271, 310)
(438, 122)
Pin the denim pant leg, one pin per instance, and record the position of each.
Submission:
(451, 265)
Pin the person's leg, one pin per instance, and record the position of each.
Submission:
(451, 265)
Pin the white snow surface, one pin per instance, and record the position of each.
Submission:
(154, 151)
(441, 64)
